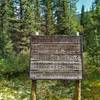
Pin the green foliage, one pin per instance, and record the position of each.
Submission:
(54, 90)
(50, 26)
(82, 16)
(20, 17)
(17, 88)
(91, 82)
(14, 63)
(65, 17)
(91, 23)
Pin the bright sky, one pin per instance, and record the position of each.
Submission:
(86, 3)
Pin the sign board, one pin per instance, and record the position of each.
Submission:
(55, 57)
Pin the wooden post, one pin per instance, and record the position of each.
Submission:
(33, 92)
(78, 84)
(78, 90)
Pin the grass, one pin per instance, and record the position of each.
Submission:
(16, 88)
(19, 88)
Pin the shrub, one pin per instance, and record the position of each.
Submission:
(14, 63)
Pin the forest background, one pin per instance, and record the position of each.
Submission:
(19, 18)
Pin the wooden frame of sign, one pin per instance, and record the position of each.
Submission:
(56, 57)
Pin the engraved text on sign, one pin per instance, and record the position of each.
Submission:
(55, 57)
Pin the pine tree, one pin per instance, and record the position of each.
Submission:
(62, 16)
(36, 15)
(66, 18)
(47, 18)
(2, 16)
(50, 27)
(91, 24)
(16, 28)
(4, 35)
(97, 25)
(97, 17)
(82, 16)
(29, 18)
(21, 24)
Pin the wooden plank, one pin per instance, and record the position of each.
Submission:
(55, 39)
(55, 66)
(59, 75)
(60, 57)
(59, 46)
(55, 49)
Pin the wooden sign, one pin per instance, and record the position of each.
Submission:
(55, 57)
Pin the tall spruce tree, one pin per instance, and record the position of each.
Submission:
(47, 18)
(2, 27)
(5, 14)
(91, 29)
(50, 27)
(97, 25)
(36, 15)
(21, 24)
(82, 16)
(97, 15)
(65, 17)
(61, 15)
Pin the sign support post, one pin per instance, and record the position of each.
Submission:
(78, 85)
(33, 93)
(78, 90)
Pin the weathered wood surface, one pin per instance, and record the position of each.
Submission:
(55, 57)
(77, 90)
(55, 39)
(33, 91)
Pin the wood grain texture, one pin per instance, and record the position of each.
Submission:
(56, 57)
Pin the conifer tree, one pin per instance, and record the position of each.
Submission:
(65, 14)
(82, 16)
(36, 15)
(22, 24)
(4, 23)
(50, 27)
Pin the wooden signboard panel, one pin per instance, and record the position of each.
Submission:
(55, 57)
